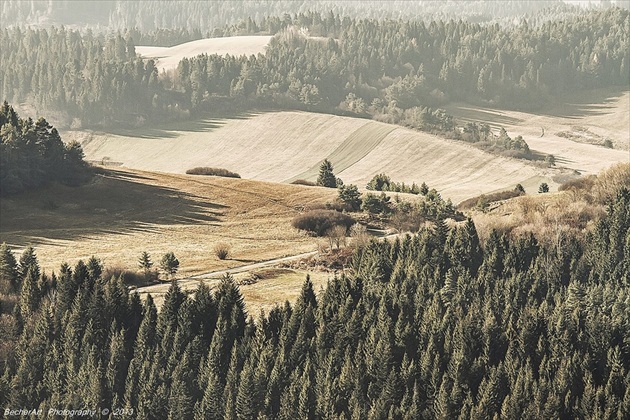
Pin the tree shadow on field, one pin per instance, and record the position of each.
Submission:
(577, 105)
(203, 124)
(584, 103)
(114, 202)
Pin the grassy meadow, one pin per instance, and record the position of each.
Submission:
(284, 146)
(123, 212)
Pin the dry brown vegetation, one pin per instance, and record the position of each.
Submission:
(570, 211)
(125, 212)
(284, 146)
(565, 127)
(319, 222)
(488, 198)
(272, 286)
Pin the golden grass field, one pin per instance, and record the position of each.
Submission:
(283, 146)
(167, 58)
(124, 212)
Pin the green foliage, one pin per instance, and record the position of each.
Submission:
(382, 182)
(543, 188)
(350, 196)
(430, 325)
(169, 263)
(376, 204)
(405, 70)
(32, 154)
(326, 177)
(9, 276)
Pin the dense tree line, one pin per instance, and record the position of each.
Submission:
(149, 15)
(430, 326)
(387, 67)
(32, 154)
(78, 76)
(394, 71)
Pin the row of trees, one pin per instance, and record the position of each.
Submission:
(77, 78)
(434, 325)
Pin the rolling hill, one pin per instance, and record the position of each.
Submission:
(573, 130)
(284, 146)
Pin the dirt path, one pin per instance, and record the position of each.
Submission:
(186, 281)
(160, 288)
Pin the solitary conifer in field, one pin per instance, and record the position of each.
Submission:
(145, 263)
(169, 263)
(326, 176)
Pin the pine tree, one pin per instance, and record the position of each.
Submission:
(145, 263)
(30, 295)
(9, 275)
(169, 263)
(326, 176)
(28, 260)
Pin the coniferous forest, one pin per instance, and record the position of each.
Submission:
(430, 326)
(32, 154)
(396, 71)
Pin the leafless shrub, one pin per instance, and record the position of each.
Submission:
(320, 221)
(222, 250)
(337, 236)
(359, 235)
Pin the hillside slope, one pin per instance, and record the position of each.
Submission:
(573, 130)
(283, 146)
(124, 212)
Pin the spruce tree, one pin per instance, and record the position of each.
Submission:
(169, 263)
(9, 275)
(326, 176)
(145, 263)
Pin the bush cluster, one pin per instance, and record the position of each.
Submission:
(488, 198)
(205, 170)
(320, 221)
(304, 182)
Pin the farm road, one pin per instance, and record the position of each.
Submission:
(162, 287)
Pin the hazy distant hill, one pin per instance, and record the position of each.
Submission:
(152, 14)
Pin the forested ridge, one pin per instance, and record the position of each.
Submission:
(149, 15)
(434, 325)
(395, 71)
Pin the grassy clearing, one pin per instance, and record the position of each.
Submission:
(124, 212)
(354, 148)
(273, 286)
(168, 58)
